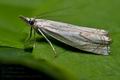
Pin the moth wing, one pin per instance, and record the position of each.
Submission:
(79, 37)
(75, 40)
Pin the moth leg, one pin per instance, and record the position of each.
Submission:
(47, 41)
(34, 39)
(30, 35)
(27, 41)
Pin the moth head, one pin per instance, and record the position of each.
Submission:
(29, 21)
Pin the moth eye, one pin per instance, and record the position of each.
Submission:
(31, 22)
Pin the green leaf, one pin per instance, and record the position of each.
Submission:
(70, 64)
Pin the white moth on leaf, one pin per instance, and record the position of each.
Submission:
(83, 38)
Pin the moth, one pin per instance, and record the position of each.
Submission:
(87, 39)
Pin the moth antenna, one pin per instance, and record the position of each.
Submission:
(56, 10)
(47, 41)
